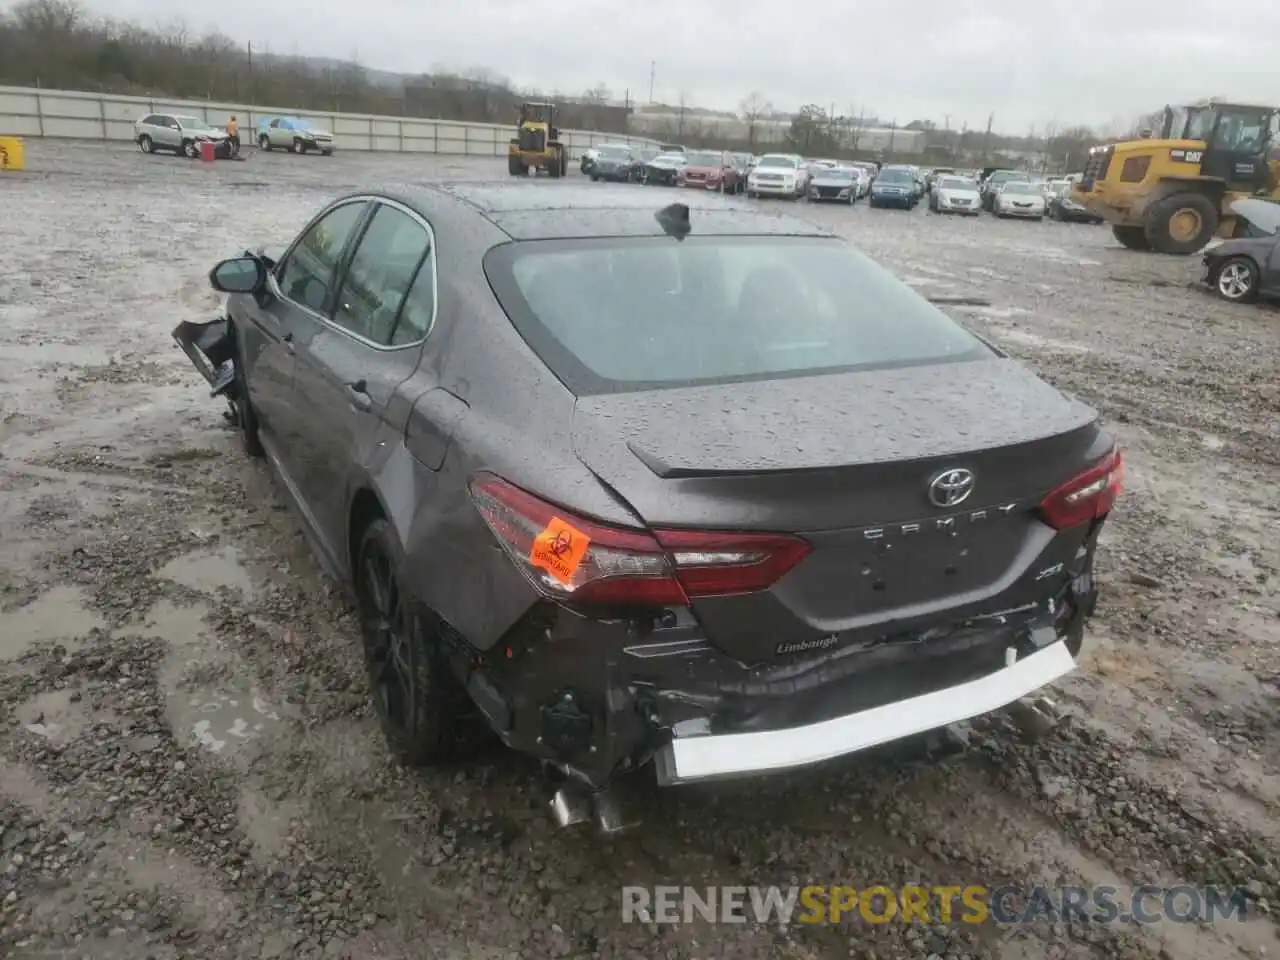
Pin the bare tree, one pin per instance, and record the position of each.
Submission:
(597, 95)
(753, 108)
(857, 123)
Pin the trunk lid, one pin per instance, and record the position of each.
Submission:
(847, 461)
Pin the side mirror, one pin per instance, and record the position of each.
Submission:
(239, 275)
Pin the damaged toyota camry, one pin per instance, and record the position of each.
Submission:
(699, 489)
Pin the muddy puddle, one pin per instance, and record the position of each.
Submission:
(61, 615)
(55, 715)
(212, 698)
(210, 569)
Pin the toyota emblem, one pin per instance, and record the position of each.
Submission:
(951, 487)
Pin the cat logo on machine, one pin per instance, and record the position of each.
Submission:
(1187, 156)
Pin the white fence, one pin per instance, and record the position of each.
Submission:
(30, 112)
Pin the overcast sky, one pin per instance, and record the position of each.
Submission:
(1085, 61)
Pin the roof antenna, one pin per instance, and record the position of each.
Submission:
(674, 220)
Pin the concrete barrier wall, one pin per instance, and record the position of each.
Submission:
(28, 112)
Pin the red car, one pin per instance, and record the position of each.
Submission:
(712, 170)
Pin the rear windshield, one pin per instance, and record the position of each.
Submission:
(610, 315)
(895, 176)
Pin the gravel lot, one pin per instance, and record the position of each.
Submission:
(189, 766)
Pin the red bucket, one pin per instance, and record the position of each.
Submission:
(207, 151)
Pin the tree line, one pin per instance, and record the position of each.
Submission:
(58, 45)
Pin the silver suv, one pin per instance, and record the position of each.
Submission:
(175, 132)
(293, 134)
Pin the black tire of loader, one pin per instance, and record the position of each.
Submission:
(1135, 238)
(1162, 213)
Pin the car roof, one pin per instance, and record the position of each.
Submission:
(533, 211)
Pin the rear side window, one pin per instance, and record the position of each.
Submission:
(619, 314)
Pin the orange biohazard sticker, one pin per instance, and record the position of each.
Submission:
(559, 549)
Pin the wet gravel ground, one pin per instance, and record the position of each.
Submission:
(189, 766)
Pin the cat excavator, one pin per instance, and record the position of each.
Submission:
(1171, 193)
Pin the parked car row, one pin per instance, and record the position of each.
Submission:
(1002, 192)
(183, 135)
(669, 165)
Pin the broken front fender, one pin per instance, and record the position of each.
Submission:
(210, 347)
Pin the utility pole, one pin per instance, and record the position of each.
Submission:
(946, 121)
(653, 66)
(986, 137)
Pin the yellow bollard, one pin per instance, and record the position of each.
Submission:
(11, 156)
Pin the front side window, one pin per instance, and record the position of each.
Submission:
(616, 315)
(380, 274)
(306, 277)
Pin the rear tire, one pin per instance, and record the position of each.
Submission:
(1135, 238)
(1182, 224)
(414, 694)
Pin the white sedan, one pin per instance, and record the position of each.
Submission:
(1018, 198)
(955, 195)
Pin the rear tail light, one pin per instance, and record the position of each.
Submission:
(568, 557)
(1087, 496)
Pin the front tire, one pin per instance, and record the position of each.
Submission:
(145, 144)
(1238, 280)
(1134, 238)
(264, 142)
(1182, 224)
(189, 150)
(246, 418)
(413, 693)
(296, 146)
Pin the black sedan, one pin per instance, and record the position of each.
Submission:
(614, 163)
(694, 486)
(1248, 266)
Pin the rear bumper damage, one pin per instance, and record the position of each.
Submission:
(596, 699)
(713, 756)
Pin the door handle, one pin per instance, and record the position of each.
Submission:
(358, 394)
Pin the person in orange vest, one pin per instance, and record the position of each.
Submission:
(233, 133)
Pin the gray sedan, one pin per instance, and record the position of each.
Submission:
(694, 487)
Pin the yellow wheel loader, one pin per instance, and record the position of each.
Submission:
(1171, 193)
(536, 145)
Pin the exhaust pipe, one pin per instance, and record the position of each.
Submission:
(573, 805)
